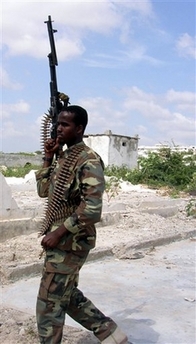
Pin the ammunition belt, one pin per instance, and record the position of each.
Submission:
(58, 208)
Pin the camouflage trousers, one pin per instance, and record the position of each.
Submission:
(58, 295)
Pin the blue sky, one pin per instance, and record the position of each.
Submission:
(131, 64)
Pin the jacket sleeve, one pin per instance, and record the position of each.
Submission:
(90, 178)
(42, 177)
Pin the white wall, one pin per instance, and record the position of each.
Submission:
(7, 203)
(99, 144)
(123, 151)
(114, 150)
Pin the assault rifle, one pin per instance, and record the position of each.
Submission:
(56, 102)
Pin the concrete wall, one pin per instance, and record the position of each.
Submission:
(8, 206)
(99, 144)
(115, 149)
(123, 151)
(15, 160)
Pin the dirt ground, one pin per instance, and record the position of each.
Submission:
(17, 327)
(134, 227)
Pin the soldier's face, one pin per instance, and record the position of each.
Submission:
(67, 131)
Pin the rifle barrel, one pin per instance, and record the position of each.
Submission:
(51, 31)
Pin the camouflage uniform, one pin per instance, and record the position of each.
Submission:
(58, 293)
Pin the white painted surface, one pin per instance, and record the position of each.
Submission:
(115, 149)
(7, 203)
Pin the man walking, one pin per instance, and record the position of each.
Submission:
(74, 186)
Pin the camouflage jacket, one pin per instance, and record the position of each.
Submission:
(88, 184)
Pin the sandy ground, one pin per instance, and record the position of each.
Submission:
(134, 227)
(20, 328)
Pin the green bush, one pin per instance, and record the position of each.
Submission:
(112, 187)
(173, 169)
(19, 172)
(191, 208)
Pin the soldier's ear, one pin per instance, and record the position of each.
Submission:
(80, 129)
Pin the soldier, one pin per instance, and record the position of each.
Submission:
(74, 186)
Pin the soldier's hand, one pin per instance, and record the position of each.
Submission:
(50, 241)
(51, 146)
(64, 97)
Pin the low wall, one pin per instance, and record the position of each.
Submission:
(15, 160)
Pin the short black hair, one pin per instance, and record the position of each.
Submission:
(81, 115)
